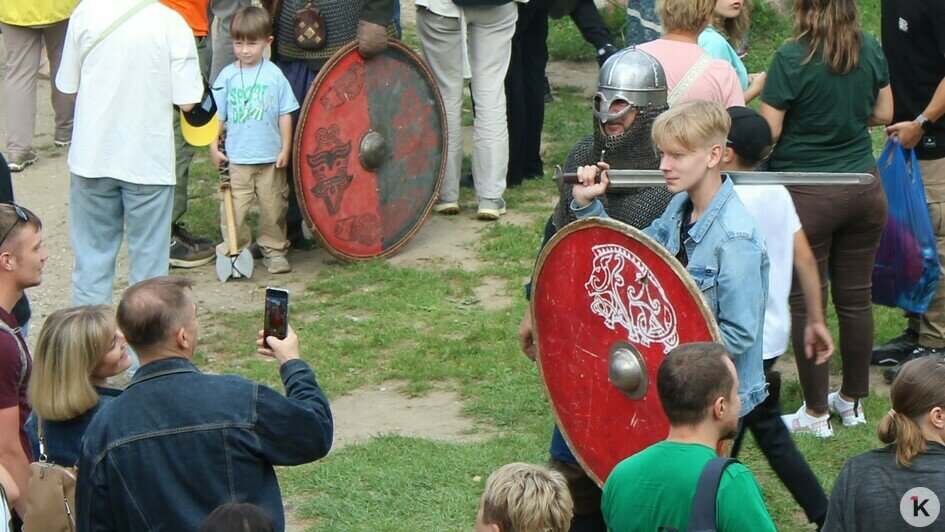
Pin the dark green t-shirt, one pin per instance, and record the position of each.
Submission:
(655, 487)
(826, 114)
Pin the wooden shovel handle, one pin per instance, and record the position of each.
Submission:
(230, 218)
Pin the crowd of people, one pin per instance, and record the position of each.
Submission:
(763, 257)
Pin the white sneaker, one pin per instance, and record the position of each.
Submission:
(850, 413)
(801, 422)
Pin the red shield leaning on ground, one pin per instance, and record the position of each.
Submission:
(370, 151)
(608, 303)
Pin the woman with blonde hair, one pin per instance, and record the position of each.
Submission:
(888, 488)
(823, 90)
(691, 74)
(77, 351)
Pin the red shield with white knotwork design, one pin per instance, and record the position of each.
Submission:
(608, 303)
(370, 151)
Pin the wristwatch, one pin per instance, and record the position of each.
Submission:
(924, 122)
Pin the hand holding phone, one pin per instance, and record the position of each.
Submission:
(281, 350)
(276, 321)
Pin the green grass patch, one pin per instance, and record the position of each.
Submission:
(367, 323)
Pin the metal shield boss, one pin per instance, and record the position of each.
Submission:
(369, 151)
(608, 303)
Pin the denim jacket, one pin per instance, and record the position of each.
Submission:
(178, 443)
(729, 263)
(64, 438)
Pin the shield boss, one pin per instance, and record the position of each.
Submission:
(370, 151)
(608, 304)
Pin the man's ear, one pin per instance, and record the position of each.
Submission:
(182, 339)
(7, 261)
(718, 407)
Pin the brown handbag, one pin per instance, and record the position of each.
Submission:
(50, 494)
(309, 30)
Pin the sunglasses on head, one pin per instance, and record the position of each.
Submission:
(20, 215)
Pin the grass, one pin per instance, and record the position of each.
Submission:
(364, 324)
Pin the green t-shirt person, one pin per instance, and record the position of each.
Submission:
(826, 114)
(655, 488)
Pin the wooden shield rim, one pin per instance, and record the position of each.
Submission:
(427, 74)
(655, 247)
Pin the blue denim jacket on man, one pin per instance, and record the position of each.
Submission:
(729, 263)
(178, 443)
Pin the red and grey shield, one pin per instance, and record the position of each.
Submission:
(370, 151)
(608, 304)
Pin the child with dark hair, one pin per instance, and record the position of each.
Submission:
(238, 517)
(749, 142)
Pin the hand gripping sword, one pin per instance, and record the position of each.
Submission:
(625, 179)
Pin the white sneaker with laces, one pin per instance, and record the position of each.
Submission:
(801, 422)
(850, 413)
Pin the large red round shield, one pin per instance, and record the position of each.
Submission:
(608, 303)
(369, 151)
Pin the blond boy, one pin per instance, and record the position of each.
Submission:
(525, 498)
(707, 228)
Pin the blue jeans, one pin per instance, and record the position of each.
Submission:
(99, 209)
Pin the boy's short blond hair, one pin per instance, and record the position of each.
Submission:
(690, 16)
(693, 124)
(523, 497)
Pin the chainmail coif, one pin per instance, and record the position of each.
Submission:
(630, 150)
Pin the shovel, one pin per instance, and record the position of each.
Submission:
(236, 263)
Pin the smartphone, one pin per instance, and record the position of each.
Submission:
(277, 314)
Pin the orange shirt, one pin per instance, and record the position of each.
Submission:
(194, 12)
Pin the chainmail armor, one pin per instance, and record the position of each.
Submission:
(631, 150)
(341, 24)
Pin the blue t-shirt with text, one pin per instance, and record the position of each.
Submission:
(251, 102)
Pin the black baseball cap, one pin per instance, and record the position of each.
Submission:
(200, 125)
(750, 134)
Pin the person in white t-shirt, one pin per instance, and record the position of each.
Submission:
(127, 74)
(749, 141)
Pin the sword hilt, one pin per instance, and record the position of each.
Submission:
(569, 178)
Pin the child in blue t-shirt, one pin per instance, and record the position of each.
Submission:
(254, 104)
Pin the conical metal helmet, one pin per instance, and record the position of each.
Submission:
(632, 76)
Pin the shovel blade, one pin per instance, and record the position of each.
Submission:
(243, 263)
(224, 267)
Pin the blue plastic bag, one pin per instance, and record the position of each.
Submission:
(906, 270)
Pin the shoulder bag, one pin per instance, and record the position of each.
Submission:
(50, 493)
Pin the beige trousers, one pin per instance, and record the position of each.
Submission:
(24, 46)
(267, 184)
(931, 325)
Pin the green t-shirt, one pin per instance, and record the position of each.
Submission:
(825, 124)
(655, 487)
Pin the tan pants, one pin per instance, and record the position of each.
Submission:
(931, 325)
(24, 49)
(267, 184)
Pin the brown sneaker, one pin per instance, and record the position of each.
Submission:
(18, 163)
(277, 264)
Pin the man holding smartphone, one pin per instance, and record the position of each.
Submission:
(207, 439)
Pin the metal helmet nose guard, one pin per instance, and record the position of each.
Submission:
(632, 76)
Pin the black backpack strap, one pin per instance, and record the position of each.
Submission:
(702, 516)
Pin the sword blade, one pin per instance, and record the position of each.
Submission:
(622, 179)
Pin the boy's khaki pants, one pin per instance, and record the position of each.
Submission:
(267, 184)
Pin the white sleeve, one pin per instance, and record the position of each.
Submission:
(186, 84)
(70, 65)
